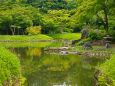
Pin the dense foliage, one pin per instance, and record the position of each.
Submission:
(56, 16)
(9, 65)
(94, 35)
(108, 69)
(33, 30)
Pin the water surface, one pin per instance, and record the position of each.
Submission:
(44, 69)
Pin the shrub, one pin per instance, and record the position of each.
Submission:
(108, 72)
(94, 35)
(33, 30)
(9, 65)
(82, 42)
(67, 30)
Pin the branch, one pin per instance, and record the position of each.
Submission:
(100, 19)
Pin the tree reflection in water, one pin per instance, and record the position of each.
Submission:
(41, 69)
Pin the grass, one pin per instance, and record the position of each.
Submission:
(9, 65)
(96, 49)
(66, 36)
(24, 37)
(25, 44)
(108, 69)
(31, 44)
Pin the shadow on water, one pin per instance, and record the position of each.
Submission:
(42, 69)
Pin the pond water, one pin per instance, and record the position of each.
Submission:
(45, 69)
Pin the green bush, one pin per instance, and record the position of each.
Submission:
(108, 70)
(9, 65)
(67, 30)
(94, 36)
(82, 42)
(33, 30)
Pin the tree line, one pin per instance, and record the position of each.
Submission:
(55, 16)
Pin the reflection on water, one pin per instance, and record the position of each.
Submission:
(41, 69)
(33, 52)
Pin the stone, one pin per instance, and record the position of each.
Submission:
(107, 45)
(84, 33)
(65, 44)
(87, 46)
(98, 42)
(96, 31)
(75, 41)
(64, 52)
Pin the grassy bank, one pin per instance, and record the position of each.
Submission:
(24, 37)
(107, 77)
(96, 49)
(25, 44)
(9, 66)
(66, 36)
(31, 44)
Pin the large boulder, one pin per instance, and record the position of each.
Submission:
(84, 33)
(99, 42)
(87, 46)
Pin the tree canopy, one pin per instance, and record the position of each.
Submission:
(56, 16)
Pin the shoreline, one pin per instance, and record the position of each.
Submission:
(31, 41)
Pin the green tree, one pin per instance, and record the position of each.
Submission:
(57, 20)
(17, 19)
(101, 8)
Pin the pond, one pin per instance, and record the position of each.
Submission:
(45, 69)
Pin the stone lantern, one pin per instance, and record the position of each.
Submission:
(108, 40)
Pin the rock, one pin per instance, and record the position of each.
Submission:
(73, 52)
(98, 42)
(67, 52)
(65, 44)
(96, 31)
(87, 45)
(84, 33)
(65, 48)
(64, 52)
(75, 41)
(107, 45)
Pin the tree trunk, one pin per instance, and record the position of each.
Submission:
(104, 22)
(13, 31)
(18, 31)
